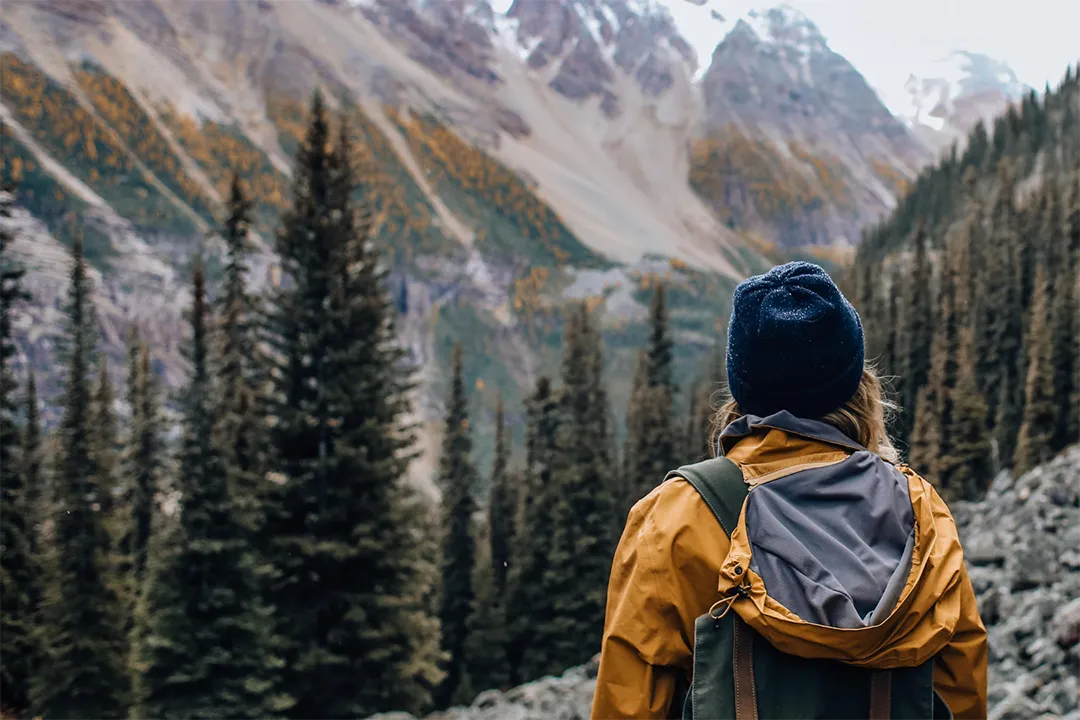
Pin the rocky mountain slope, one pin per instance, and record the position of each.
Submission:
(515, 160)
(1021, 546)
(797, 147)
(942, 102)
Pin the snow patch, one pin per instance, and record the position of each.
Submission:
(929, 95)
(706, 23)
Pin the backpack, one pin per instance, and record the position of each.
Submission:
(739, 674)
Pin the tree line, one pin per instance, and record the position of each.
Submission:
(969, 295)
(275, 561)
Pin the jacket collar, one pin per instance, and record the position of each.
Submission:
(783, 420)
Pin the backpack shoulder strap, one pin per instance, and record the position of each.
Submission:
(720, 483)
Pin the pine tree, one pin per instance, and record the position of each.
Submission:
(531, 605)
(635, 457)
(143, 470)
(341, 527)
(203, 634)
(652, 448)
(924, 432)
(999, 355)
(699, 445)
(485, 646)
(1065, 314)
(890, 353)
(103, 441)
(918, 328)
(967, 466)
(488, 629)
(33, 465)
(583, 515)
(502, 506)
(239, 430)
(18, 568)
(1071, 207)
(1040, 406)
(661, 357)
(457, 481)
(82, 673)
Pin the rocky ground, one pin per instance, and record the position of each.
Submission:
(1022, 545)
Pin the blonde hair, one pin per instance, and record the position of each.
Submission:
(863, 418)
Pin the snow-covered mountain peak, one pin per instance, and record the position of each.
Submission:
(943, 99)
(707, 23)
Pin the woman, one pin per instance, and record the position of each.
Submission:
(849, 557)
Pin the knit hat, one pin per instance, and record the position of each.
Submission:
(794, 343)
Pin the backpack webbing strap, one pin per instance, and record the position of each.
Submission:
(743, 662)
(881, 695)
(720, 483)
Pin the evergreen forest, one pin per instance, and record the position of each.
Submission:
(251, 546)
(273, 552)
(969, 293)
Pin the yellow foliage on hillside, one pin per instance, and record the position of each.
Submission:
(451, 162)
(528, 290)
(892, 177)
(732, 169)
(59, 122)
(86, 146)
(123, 114)
(221, 150)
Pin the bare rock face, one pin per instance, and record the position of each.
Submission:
(1022, 546)
(586, 42)
(775, 80)
(450, 37)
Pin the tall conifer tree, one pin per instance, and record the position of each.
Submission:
(485, 644)
(33, 465)
(18, 568)
(488, 632)
(531, 605)
(1036, 437)
(144, 467)
(503, 504)
(583, 515)
(457, 481)
(239, 430)
(918, 328)
(699, 445)
(968, 466)
(103, 442)
(341, 529)
(82, 673)
(652, 445)
(203, 632)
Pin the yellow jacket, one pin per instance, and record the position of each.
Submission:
(674, 562)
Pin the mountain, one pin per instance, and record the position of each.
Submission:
(1027, 598)
(578, 149)
(943, 101)
(796, 146)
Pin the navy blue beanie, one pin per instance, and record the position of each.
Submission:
(794, 343)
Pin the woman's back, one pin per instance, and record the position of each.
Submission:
(837, 553)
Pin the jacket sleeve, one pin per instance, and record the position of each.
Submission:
(642, 638)
(960, 668)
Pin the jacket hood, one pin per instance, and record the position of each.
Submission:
(837, 553)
